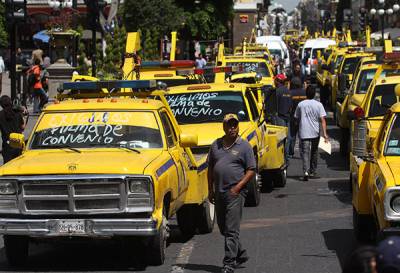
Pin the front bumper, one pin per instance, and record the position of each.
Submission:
(93, 227)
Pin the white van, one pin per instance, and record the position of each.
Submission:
(309, 53)
(265, 40)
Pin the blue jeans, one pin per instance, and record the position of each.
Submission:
(39, 93)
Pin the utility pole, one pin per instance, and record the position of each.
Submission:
(15, 12)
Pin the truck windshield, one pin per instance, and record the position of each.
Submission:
(260, 67)
(202, 107)
(382, 99)
(364, 80)
(350, 65)
(392, 146)
(97, 129)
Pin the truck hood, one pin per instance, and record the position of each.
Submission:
(99, 161)
(208, 132)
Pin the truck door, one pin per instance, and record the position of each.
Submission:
(177, 180)
(255, 113)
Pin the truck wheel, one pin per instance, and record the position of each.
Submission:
(158, 244)
(253, 192)
(187, 220)
(267, 181)
(364, 227)
(206, 217)
(280, 178)
(17, 249)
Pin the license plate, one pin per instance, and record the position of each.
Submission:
(71, 226)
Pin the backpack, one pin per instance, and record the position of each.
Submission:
(31, 77)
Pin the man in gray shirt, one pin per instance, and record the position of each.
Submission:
(231, 166)
(310, 112)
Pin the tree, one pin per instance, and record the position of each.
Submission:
(161, 15)
(207, 19)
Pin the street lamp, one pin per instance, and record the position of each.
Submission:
(381, 12)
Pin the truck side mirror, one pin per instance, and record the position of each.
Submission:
(188, 140)
(17, 141)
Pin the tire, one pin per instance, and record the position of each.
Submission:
(158, 244)
(17, 249)
(280, 178)
(364, 227)
(187, 219)
(344, 142)
(267, 181)
(253, 192)
(206, 217)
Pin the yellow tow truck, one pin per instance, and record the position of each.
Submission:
(376, 209)
(106, 166)
(364, 74)
(251, 65)
(368, 136)
(200, 109)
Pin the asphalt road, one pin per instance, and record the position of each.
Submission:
(304, 227)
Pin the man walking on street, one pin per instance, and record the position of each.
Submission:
(231, 166)
(11, 121)
(298, 94)
(284, 105)
(310, 113)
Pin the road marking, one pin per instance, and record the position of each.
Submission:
(294, 219)
(183, 257)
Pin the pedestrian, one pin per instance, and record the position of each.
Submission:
(200, 61)
(388, 257)
(231, 166)
(298, 94)
(11, 121)
(310, 113)
(361, 260)
(296, 72)
(2, 70)
(284, 106)
(37, 54)
(39, 94)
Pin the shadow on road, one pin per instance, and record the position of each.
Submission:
(335, 161)
(122, 254)
(340, 189)
(341, 241)
(201, 267)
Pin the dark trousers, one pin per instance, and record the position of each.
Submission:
(285, 122)
(229, 213)
(309, 154)
(9, 153)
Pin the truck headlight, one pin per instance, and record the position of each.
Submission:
(395, 203)
(139, 185)
(8, 187)
(140, 195)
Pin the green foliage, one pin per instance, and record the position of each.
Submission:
(115, 48)
(150, 50)
(208, 19)
(3, 31)
(82, 68)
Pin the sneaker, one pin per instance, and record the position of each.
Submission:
(227, 269)
(305, 177)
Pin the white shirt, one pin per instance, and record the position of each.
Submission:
(309, 112)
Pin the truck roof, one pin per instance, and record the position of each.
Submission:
(105, 103)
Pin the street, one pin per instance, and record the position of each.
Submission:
(304, 227)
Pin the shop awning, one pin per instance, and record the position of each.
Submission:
(42, 36)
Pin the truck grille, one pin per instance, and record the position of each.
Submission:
(73, 196)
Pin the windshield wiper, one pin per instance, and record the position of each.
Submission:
(116, 146)
(59, 147)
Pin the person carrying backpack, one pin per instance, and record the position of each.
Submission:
(40, 97)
